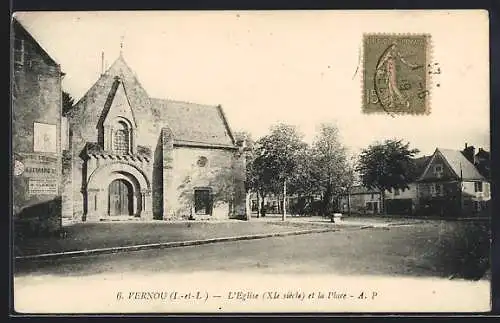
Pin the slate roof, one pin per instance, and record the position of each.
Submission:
(19, 28)
(458, 163)
(191, 123)
(421, 164)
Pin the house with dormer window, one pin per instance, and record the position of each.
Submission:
(451, 185)
(405, 201)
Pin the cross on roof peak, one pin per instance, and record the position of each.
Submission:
(121, 44)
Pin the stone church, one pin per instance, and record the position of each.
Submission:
(128, 155)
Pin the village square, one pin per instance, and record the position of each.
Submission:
(120, 181)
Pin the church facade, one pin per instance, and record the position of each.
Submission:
(128, 155)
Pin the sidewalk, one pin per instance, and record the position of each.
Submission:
(87, 238)
(347, 221)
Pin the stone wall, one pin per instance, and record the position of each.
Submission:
(218, 174)
(36, 136)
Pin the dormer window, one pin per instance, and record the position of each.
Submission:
(438, 170)
(121, 139)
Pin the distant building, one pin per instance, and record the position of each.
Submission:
(452, 186)
(361, 200)
(36, 134)
(295, 205)
(405, 201)
(481, 160)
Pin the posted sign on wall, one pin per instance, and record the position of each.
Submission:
(42, 186)
(41, 171)
(36, 165)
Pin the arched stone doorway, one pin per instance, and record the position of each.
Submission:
(120, 197)
(118, 189)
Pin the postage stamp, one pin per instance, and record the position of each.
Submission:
(395, 73)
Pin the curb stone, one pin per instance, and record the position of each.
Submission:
(161, 245)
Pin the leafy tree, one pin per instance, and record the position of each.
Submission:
(244, 138)
(278, 158)
(67, 102)
(386, 166)
(330, 170)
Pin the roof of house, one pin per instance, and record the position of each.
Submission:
(483, 153)
(421, 164)
(459, 164)
(359, 189)
(18, 27)
(193, 123)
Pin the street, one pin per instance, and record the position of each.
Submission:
(397, 268)
(410, 250)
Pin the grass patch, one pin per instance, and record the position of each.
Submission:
(463, 249)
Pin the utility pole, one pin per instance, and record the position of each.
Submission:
(284, 201)
(349, 202)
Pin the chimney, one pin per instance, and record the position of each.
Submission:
(469, 153)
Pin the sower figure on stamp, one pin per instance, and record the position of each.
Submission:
(387, 65)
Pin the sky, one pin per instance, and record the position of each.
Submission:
(298, 67)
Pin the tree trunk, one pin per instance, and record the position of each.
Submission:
(259, 207)
(263, 205)
(327, 200)
(248, 207)
(284, 201)
(349, 203)
(383, 202)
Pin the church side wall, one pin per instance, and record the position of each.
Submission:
(217, 175)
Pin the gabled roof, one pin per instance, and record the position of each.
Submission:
(193, 124)
(18, 28)
(105, 82)
(118, 92)
(457, 162)
(420, 165)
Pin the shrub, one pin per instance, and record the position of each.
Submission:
(464, 250)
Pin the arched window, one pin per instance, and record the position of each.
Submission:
(121, 139)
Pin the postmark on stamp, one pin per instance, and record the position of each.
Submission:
(395, 77)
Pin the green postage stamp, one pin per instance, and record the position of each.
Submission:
(395, 73)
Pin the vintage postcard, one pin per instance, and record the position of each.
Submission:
(250, 162)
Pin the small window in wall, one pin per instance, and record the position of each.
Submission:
(396, 192)
(478, 186)
(202, 201)
(436, 189)
(476, 206)
(121, 140)
(369, 206)
(19, 51)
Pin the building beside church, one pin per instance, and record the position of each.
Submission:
(129, 155)
(36, 135)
